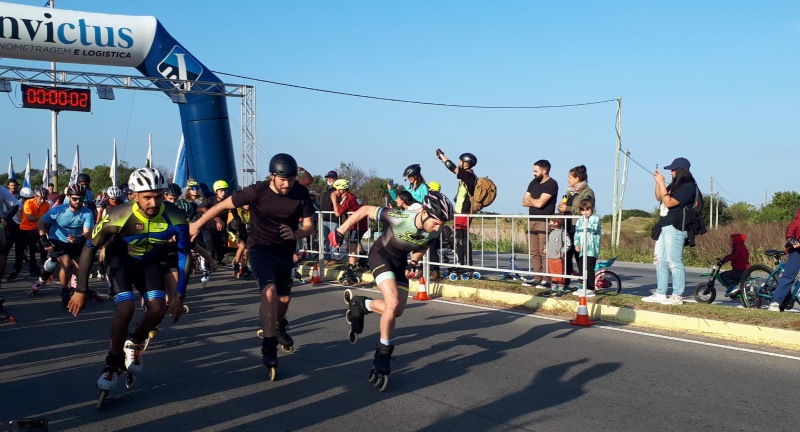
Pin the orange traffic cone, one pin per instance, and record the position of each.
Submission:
(422, 290)
(583, 315)
(315, 275)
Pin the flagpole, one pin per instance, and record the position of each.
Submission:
(54, 119)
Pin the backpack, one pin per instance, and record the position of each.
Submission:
(484, 195)
(692, 219)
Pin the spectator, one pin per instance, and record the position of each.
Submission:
(13, 187)
(347, 203)
(558, 242)
(587, 245)
(577, 191)
(466, 187)
(417, 187)
(329, 220)
(541, 201)
(783, 293)
(52, 195)
(668, 252)
(404, 200)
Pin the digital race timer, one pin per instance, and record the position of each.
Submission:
(56, 98)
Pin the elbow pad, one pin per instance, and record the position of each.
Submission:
(450, 165)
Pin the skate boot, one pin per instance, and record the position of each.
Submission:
(66, 295)
(35, 288)
(237, 273)
(356, 309)
(12, 276)
(269, 355)
(349, 277)
(379, 375)
(133, 356)
(111, 372)
(93, 295)
(284, 340)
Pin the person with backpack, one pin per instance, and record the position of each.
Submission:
(670, 231)
(467, 181)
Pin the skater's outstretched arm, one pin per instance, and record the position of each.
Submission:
(336, 238)
(196, 226)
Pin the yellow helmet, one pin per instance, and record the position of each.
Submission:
(435, 186)
(341, 184)
(220, 184)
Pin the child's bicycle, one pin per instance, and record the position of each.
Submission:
(605, 280)
(760, 281)
(706, 291)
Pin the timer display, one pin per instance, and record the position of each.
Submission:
(56, 98)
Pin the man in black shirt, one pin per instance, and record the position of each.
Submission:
(540, 198)
(280, 214)
(466, 188)
(329, 220)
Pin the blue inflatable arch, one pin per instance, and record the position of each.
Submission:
(64, 36)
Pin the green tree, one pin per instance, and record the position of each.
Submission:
(740, 212)
(781, 209)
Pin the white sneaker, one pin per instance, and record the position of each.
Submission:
(580, 292)
(108, 380)
(655, 298)
(133, 357)
(774, 307)
(590, 293)
(673, 300)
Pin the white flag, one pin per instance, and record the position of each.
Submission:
(46, 171)
(149, 152)
(114, 165)
(26, 179)
(11, 173)
(76, 166)
(181, 173)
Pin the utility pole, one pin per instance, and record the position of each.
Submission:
(716, 221)
(711, 205)
(622, 196)
(615, 204)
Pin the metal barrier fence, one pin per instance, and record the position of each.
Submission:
(495, 241)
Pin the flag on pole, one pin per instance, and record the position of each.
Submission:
(76, 166)
(46, 171)
(114, 165)
(11, 173)
(149, 152)
(26, 179)
(181, 172)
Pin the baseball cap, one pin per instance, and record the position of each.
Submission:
(679, 163)
(332, 174)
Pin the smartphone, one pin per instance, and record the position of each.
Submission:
(391, 182)
(29, 425)
(438, 152)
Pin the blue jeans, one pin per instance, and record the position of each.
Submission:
(327, 228)
(786, 281)
(668, 258)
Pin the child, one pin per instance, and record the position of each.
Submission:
(587, 245)
(740, 261)
(557, 244)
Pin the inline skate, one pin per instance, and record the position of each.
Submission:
(349, 277)
(284, 340)
(356, 309)
(269, 355)
(379, 375)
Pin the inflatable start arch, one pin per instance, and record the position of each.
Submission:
(57, 35)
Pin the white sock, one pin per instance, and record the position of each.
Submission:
(368, 305)
(386, 341)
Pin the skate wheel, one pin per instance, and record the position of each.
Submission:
(352, 337)
(287, 349)
(348, 296)
(372, 376)
(476, 275)
(130, 380)
(101, 399)
(186, 309)
(260, 333)
(465, 276)
(272, 372)
(382, 383)
(347, 317)
(453, 277)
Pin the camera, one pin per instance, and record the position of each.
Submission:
(439, 152)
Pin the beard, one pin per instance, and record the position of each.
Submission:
(539, 178)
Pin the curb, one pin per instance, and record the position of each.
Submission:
(758, 335)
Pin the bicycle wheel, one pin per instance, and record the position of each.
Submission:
(757, 285)
(607, 282)
(705, 293)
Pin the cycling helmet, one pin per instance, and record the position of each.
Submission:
(174, 190)
(434, 186)
(41, 192)
(341, 184)
(283, 165)
(220, 184)
(147, 179)
(84, 178)
(76, 189)
(438, 206)
(126, 191)
(192, 183)
(412, 170)
(469, 158)
(114, 192)
(26, 192)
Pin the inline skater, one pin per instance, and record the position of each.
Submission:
(11, 206)
(135, 236)
(280, 214)
(347, 202)
(407, 232)
(34, 207)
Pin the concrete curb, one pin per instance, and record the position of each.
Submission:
(711, 328)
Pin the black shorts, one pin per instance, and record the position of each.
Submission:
(270, 267)
(125, 272)
(382, 265)
(73, 250)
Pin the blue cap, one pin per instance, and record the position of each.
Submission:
(679, 163)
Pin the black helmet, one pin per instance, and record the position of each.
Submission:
(174, 190)
(283, 165)
(76, 189)
(438, 206)
(84, 178)
(412, 170)
(469, 158)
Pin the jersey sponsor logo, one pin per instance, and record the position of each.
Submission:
(139, 227)
(99, 226)
(414, 238)
(158, 226)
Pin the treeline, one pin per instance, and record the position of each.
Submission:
(100, 175)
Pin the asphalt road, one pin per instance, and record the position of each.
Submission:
(459, 367)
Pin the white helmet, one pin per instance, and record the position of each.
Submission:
(147, 179)
(26, 192)
(114, 192)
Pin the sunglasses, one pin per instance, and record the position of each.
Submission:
(194, 188)
(75, 198)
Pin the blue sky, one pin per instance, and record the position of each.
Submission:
(715, 81)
